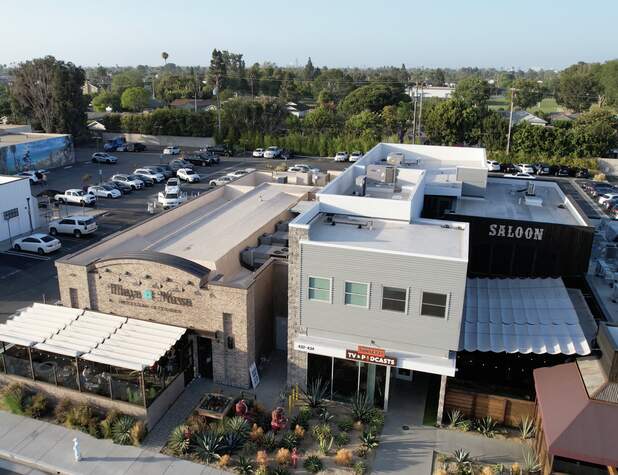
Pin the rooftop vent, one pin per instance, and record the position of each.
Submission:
(350, 221)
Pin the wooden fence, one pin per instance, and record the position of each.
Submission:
(505, 410)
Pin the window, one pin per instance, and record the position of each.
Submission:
(319, 289)
(394, 299)
(357, 294)
(433, 305)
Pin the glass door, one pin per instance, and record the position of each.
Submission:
(372, 382)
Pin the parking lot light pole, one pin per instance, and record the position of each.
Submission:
(29, 214)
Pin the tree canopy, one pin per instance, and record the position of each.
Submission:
(473, 91)
(372, 98)
(578, 88)
(127, 79)
(134, 99)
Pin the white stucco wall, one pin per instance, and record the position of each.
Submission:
(14, 194)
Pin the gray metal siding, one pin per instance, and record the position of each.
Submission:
(395, 330)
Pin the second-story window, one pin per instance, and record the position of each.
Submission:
(394, 299)
(434, 305)
(320, 289)
(357, 294)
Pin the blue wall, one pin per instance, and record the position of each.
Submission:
(51, 152)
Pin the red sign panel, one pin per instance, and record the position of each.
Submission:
(374, 359)
(370, 351)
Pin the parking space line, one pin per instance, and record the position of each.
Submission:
(10, 274)
(29, 256)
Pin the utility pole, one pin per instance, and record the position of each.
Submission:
(414, 113)
(508, 138)
(195, 99)
(218, 103)
(420, 114)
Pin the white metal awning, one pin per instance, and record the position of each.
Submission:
(412, 361)
(521, 316)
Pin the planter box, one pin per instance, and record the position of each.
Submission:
(215, 406)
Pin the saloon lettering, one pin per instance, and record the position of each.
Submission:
(517, 232)
(160, 296)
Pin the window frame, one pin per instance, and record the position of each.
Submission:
(330, 290)
(345, 293)
(407, 300)
(446, 304)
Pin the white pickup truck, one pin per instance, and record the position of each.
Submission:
(77, 197)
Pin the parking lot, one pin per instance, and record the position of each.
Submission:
(26, 277)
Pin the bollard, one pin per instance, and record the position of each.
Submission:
(76, 452)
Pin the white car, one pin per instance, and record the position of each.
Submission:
(187, 174)
(75, 196)
(77, 225)
(341, 157)
(134, 183)
(258, 153)
(525, 168)
(355, 156)
(32, 176)
(39, 242)
(272, 152)
(104, 191)
(300, 168)
(102, 157)
(493, 166)
(606, 197)
(147, 172)
(171, 150)
(239, 173)
(222, 180)
(525, 176)
(172, 186)
(171, 200)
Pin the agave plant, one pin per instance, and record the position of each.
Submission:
(325, 444)
(289, 441)
(121, 430)
(486, 426)
(180, 440)
(325, 416)
(313, 464)
(237, 425)
(361, 407)
(526, 427)
(315, 393)
(208, 446)
(455, 416)
(531, 462)
(369, 440)
(463, 461)
(231, 442)
(244, 466)
(269, 441)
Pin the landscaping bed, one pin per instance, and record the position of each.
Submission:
(460, 462)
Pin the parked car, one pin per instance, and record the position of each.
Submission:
(239, 173)
(38, 242)
(164, 170)
(154, 175)
(131, 147)
(77, 197)
(120, 186)
(355, 156)
(564, 171)
(526, 176)
(599, 189)
(131, 180)
(34, 176)
(508, 168)
(341, 157)
(77, 225)
(546, 170)
(222, 180)
(113, 144)
(610, 203)
(188, 175)
(171, 150)
(525, 168)
(172, 186)
(102, 157)
(258, 153)
(606, 196)
(493, 166)
(582, 173)
(272, 152)
(300, 167)
(220, 149)
(202, 159)
(146, 179)
(170, 200)
(104, 191)
(178, 163)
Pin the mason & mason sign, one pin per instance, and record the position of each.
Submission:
(157, 296)
(516, 232)
(371, 355)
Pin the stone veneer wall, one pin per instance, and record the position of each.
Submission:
(297, 360)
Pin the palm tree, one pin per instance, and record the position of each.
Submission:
(164, 55)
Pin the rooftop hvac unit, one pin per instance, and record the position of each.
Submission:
(395, 158)
(254, 257)
(319, 179)
(283, 226)
(280, 238)
(265, 239)
(360, 185)
(281, 179)
(382, 173)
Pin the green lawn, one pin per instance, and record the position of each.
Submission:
(548, 105)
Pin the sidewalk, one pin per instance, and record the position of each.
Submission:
(49, 447)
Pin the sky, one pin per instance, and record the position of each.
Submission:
(551, 34)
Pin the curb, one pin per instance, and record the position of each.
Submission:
(35, 464)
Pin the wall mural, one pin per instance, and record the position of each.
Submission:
(48, 153)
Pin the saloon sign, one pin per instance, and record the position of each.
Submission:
(370, 355)
(517, 232)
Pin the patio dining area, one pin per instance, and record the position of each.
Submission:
(102, 357)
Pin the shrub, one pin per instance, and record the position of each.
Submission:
(262, 470)
(362, 451)
(376, 420)
(207, 446)
(138, 432)
(179, 440)
(313, 464)
(304, 415)
(462, 460)
(343, 457)
(13, 397)
(79, 417)
(315, 393)
(526, 427)
(487, 470)
(283, 456)
(121, 430)
(261, 458)
(62, 410)
(37, 406)
(369, 440)
(289, 441)
(325, 416)
(531, 461)
(345, 424)
(516, 469)
(341, 439)
(279, 471)
(93, 428)
(197, 423)
(232, 442)
(244, 466)
(360, 468)
(361, 408)
(224, 461)
(269, 441)
(325, 444)
(299, 432)
(486, 426)
(256, 433)
(321, 430)
(237, 425)
(455, 416)
(106, 424)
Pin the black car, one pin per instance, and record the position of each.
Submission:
(119, 185)
(508, 168)
(202, 159)
(146, 179)
(564, 171)
(582, 173)
(219, 150)
(135, 147)
(166, 170)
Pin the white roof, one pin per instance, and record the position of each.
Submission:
(92, 336)
(521, 316)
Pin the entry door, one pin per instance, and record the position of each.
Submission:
(204, 355)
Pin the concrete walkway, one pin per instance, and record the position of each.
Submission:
(411, 451)
(49, 448)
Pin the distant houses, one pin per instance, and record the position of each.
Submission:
(193, 104)
(520, 117)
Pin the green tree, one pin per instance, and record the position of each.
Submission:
(365, 123)
(528, 93)
(5, 101)
(594, 133)
(372, 97)
(134, 99)
(453, 122)
(578, 89)
(322, 119)
(217, 70)
(309, 71)
(49, 93)
(335, 81)
(397, 119)
(125, 80)
(473, 91)
(494, 129)
(608, 79)
(106, 99)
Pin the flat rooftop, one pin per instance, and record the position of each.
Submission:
(210, 230)
(505, 199)
(429, 238)
(8, 179)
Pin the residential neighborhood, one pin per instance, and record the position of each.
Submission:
(251, 246)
